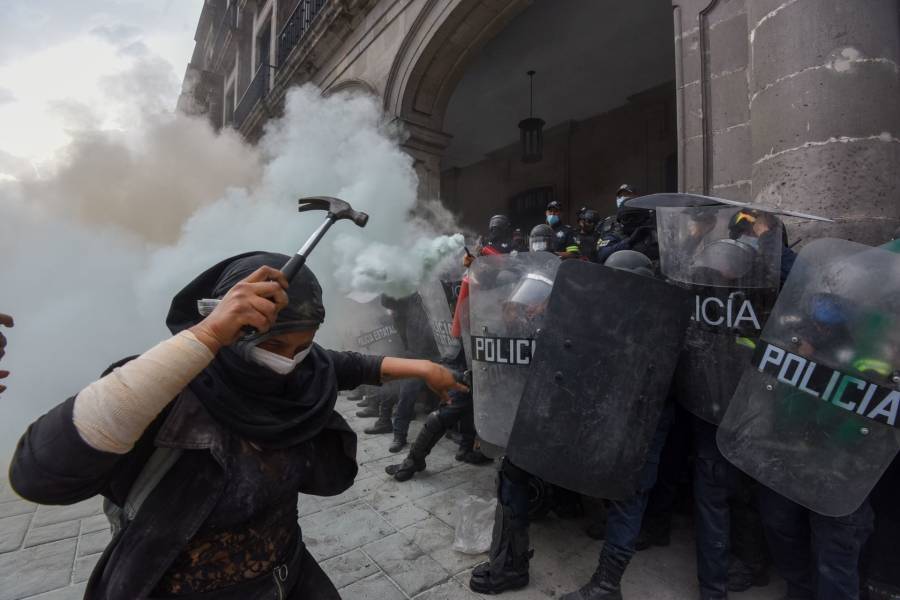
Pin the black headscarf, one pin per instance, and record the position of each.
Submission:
(272, 410)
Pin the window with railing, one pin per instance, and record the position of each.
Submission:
(297, 25)
(258, 88)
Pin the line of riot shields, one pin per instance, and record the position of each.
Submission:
(572, 362)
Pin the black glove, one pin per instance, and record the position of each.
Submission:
(639, 234)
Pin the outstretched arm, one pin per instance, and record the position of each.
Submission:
(438, 378)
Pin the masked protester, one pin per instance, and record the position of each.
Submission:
(218, 431)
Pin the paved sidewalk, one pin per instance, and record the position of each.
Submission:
(380, 540)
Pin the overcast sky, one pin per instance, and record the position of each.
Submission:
(80, 65)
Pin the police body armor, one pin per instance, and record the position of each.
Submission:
(733, 276)
(815, 416)
(599, 380)
(507, 299)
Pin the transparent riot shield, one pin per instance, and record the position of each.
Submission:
(729, 258)
(370, 328)
(439, 299)
(508, 296)
(599, 381)
(815, 416)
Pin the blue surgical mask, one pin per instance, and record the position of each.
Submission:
(552, 220)
(620, 200)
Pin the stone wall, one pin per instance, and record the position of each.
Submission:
(794, 104)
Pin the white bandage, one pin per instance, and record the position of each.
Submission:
(112, 413)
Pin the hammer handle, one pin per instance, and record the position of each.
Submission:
(293, 266)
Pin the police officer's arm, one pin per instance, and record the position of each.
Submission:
(438, 378)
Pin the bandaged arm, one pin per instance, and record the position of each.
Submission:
(112, 413)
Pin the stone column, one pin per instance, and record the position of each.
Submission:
(426, 146)
(824, 85)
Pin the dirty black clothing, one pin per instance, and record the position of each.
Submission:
(219, 489)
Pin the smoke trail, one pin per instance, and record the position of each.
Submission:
(94, 253)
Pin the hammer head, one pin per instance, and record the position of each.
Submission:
(337, 208)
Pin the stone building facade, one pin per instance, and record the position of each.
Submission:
(789, 103)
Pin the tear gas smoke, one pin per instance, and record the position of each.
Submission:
(93, 254)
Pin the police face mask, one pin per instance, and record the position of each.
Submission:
(538, 245)
(620, 200)
(275, 362)
(552, 220)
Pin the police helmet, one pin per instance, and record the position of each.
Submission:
(540, 238)
(499, 223)
(724, 260)
(630, 260)
(590, 216)
(626, 189)
(554, 205)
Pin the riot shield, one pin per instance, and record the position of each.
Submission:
(508, 296)
(729, 259)
(815, 415)
(439, 301)
(370, 327)
(597, 386)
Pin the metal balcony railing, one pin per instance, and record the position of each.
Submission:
(297, 25)
(257, 90)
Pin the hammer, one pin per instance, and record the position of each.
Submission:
(337, 210)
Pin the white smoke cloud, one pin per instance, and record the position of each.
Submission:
(93, 253)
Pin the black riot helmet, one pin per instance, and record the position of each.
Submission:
(630, 260)
(631, 218)
(591, 218)
(541, 238)
(499, 225)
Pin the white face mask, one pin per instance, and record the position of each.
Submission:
(620, 200)
(276, 362)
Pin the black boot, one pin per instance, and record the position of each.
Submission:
(380, 426)
(507, 568)
(398, 444)
(604, 583)
(473, 457)
(467, 452)
(429, 436)
(368, 412)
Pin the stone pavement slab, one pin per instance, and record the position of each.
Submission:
(379, 540)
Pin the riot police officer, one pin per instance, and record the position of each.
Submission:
(584, 240)
(562, 234)
(508, 567)
(631, 229)
(499, 235)
(541, 238)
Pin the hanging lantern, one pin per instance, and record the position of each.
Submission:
(531, 130)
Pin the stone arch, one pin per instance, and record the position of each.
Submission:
(444, 38)
(359, 86)
(433, 56)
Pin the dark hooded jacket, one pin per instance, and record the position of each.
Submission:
(54, 465)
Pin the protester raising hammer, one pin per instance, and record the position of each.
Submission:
(201, 444)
